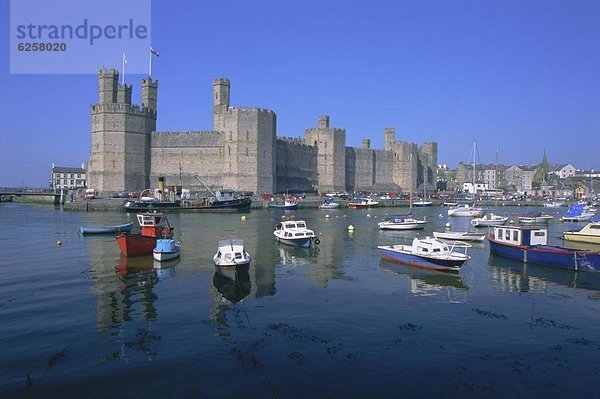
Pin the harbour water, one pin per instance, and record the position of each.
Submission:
(79, 320)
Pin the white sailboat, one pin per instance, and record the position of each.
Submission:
(468, 210)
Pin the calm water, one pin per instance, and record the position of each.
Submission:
(81, 321)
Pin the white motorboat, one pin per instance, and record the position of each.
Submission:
(402, 222)
(427, 252)
(422, 203)
(465, 210)
(536, 218)
(231, 253)
(489, 220)
(459, 236)
(590, 233)
(295, 232)
(328, 203)
(553, 204)
(166, 249)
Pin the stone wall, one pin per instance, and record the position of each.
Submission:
(296, 166)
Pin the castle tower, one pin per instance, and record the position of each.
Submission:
(429, 151)
(331, 154)
(149, 93)
(390, 138)
(120, 153)
(221, 88)
(366, 144)
(108, 83)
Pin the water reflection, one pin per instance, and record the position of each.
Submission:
(296, 255)
(233, 283)
(510, 275)
(425, 282)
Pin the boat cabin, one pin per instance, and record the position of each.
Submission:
(231, 250)
(294, 229)
(520, 236)
(154, 224)
(428, 247)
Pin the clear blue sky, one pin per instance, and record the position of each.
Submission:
(522, 76)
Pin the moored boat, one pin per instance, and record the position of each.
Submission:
(402, 222)
(530, 245)
(590, 233)
(153, 226)
(465, 210)
(427, 252)
(578, 213)
(363, 203)
(328, 203)
(287, 204)
(106, 229)
(166, 249)
(422, 203)
(489, 219)
(231, 253)
(459, 236)
(295, 232)
(535, 218)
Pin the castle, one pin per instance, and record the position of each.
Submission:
(242, 152)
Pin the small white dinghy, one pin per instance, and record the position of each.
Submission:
(166, 249)
(231, 253)
(459, 236)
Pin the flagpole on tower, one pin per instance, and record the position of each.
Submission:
(150, 69)
(124, 62)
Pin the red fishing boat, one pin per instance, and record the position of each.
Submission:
(153, 226)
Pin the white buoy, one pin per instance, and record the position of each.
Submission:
(440, 216)
(368, 215)
(243, 218)
(326, 216)
(58, 242)
(282, 217)
(447, 225)
(350, 228)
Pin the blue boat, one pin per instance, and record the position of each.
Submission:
(286, 205)
(530, 245)
(106, 229)
(428, 253)
(578, 213)
(166, 249)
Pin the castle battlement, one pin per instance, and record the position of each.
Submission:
(251, 109)
(180, 139)
(107, 71)
(121, 107)
(297, 142)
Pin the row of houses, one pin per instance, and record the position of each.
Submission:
(564, 181)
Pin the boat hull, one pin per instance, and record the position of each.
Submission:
(106, 229)
(412, 260)
(162, 256)
(553, 256)
(231, 205)
(578, 237)
(304, 242)
(402, 226)
(330, 206)
(281, 206)
(222, 263)
(459, 236)
(136, 245)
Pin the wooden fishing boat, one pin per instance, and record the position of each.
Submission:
(530, 245)
(153, 226)
(106, 229)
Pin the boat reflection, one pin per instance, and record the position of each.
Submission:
(514, 276)
(296, 255)
(425, 282)
(232, 282)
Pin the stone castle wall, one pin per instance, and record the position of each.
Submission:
(242, 152)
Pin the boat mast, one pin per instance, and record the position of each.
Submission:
(205, 186)
(474, 152)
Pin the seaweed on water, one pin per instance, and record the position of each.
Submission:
(489, 313)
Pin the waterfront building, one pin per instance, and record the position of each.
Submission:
(242, 151)
(68, 178)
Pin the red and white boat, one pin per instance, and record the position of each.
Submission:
(153, 226)
(364, 203)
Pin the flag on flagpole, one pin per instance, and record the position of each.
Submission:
(124, 62)
(152, 52)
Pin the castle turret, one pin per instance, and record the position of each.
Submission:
(149, 93)
(366, 144)
(221, 87)
(323, 122)
(124, 94)
(390, 137)
(108, 83)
